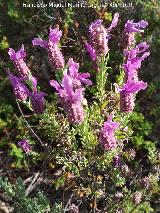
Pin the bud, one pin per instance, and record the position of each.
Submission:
(137, 197)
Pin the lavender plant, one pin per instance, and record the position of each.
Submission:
(90, 137)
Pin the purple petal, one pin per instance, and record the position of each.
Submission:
(114, 21)
(12, 54)
(67, 85)
(78, 96)
(39, 42)
(130, 26)
(34, 83)
(142, 47)
(91, 51)
(145, 55)
(55, 84)
(84, 75)
(95, 24)
(73, 72)
(55, 35)
(20, 54)
(86, 81)
(132, 86)
(143, 23)
(72, 63)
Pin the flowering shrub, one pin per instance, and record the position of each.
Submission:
(85, 122)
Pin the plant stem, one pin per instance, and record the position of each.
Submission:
(29, 127)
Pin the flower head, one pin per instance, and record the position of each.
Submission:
(70, 98)
(25, 146)
(37, 98)
(18, 59)
(107, 136)
(56, 58)
(20, 90)
(66, 90)
(98, 39)
(38, 102)
(127, 94)
(134, 57)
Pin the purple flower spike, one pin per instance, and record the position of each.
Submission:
(127, 94)
(134, 58)
(38, 102)
(56, 58)
(71, 98)
(25, 146)
(107, 136)
(98, 39)
(17, 58)
(75, 112)
(97, 47)
(127, 102)
(20, 90)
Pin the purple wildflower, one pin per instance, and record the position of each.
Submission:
(127, 102)
(98, 38)
(127, 94)
(37, 98)
(56, 58)
(38, 102)
(25, 146)
(133, 59)
(70, 98)
(130, 29)
(20, 90)
(133, 27)
(107, 137)
(78, 78)
(18, 59)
